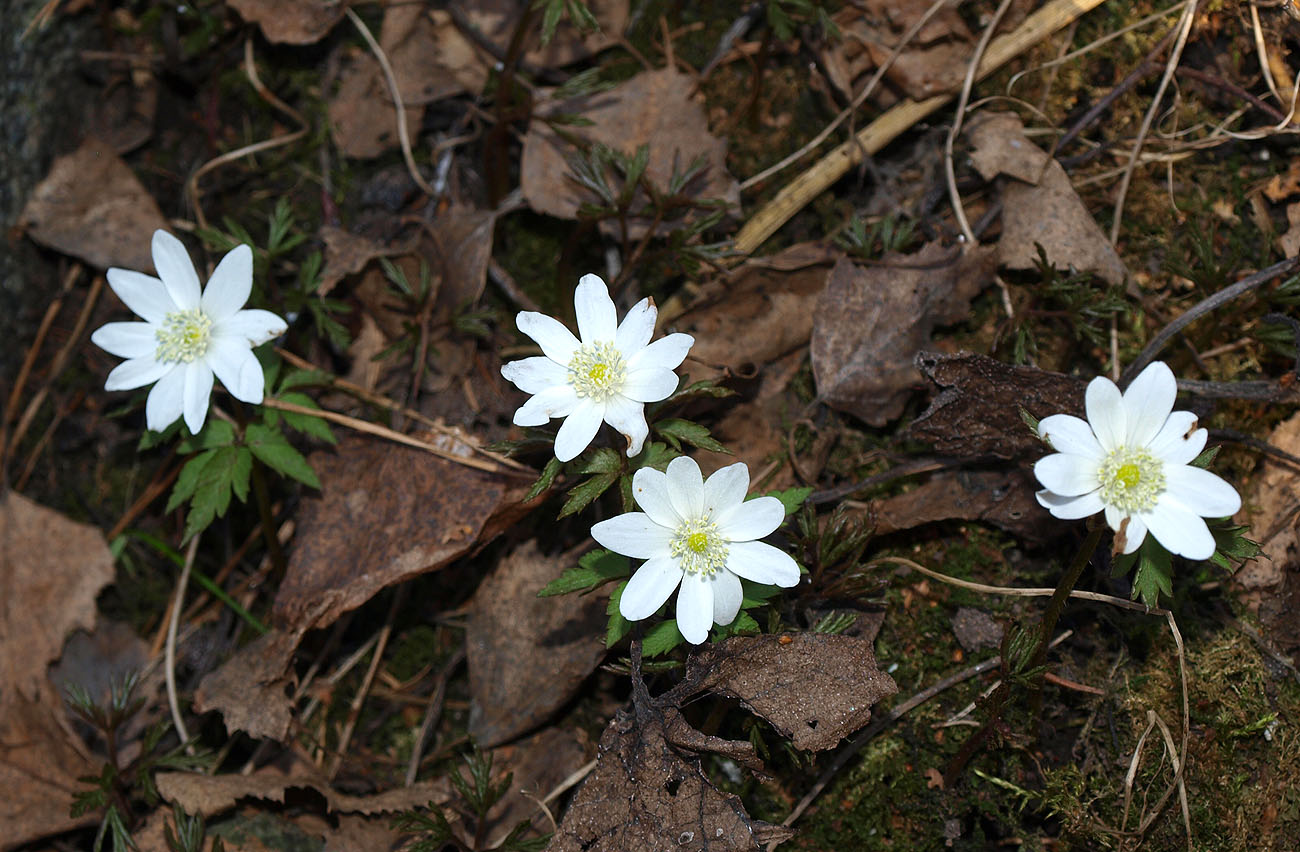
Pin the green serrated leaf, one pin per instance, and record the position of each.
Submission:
(582, 494)
(1154, 575)
(214, 487)
(188, 480)
(547, 478)
(661, 638)
(618, 626)
(1207, 456)
(297, 378)
(656, 455)
(601, 460)
(677, 431)
(272, 450)
(707, 388)
(791, 498)
(305, 423)
(594, 569)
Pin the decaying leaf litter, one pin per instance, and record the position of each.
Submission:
(368, 662)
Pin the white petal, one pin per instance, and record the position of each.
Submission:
(1067, 475)
(1147, 402)
(536, 374)
(553, 402)
(127, 339)
(1179, 530)
(728, 595)
(762, 563)
(695, 608)
(254, 326)
(1134, 531)
(1070, 508)
(578, 429)
(725, 489)
(1200, 491)
(1179, 441)
(230, 284)
(198, 393)
(628, 418)
(650, 488)
(1068, 434)
(597, 316)
(136, 373)
(143, 294)
(557, 342)
(166, 400)
(649, 587)
(237, 368)
(1106, 413)
(686, 487)
(176, 270)
(666, 352)
(752, 519)
(636, 329)
(633, 534)
(649, 384)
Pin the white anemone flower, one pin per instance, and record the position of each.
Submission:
(187, 337)
(1130, 459)
(701, 536)
(608, 375)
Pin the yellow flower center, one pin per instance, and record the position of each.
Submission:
(597, 371)
(1131, 479)
(699, 547)
(183, 337)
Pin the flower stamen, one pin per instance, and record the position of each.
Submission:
(597, 371)
(1131, 479)
(699, 547)
(183, 337)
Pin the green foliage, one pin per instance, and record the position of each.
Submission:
(833, 548)
(1154, 575)
(476, 796)
(120, 787)
(1076, 301)
(595, 568)
(871, 242)
(546, 479)
(661, 638)
(618, 626)
(834, 623)
(1231, 547)
(190, 833)
(576, 10)
(604, 465)
(792, 499)
(271, 449)
(677, 432)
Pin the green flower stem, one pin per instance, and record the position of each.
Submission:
(998, 700)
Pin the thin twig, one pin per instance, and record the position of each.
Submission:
(1219, 299)
(1175, 55)
(354, 712)
(396, 93)
(431, 714)
(384, 432)
(170, 649)
(962, 100)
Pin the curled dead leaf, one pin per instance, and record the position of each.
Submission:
(815, 688)
(977, 414)
(871, 321)
(292, 21)
(92, 206)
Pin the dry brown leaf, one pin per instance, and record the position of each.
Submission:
(39, 769)
(1039, 205)
(527, 655)
(291, 21)
(975, 629)
(654, 108)
(214, 794)
(1003, 498)
(53, 570)
(385, 514)
(871, 321)
(345, 254)
(91, 206)
(433, 59)
(814, 688)
(977, 414)
(1289, 242)
(760, 311)
(1271, 582)
(643, 797)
